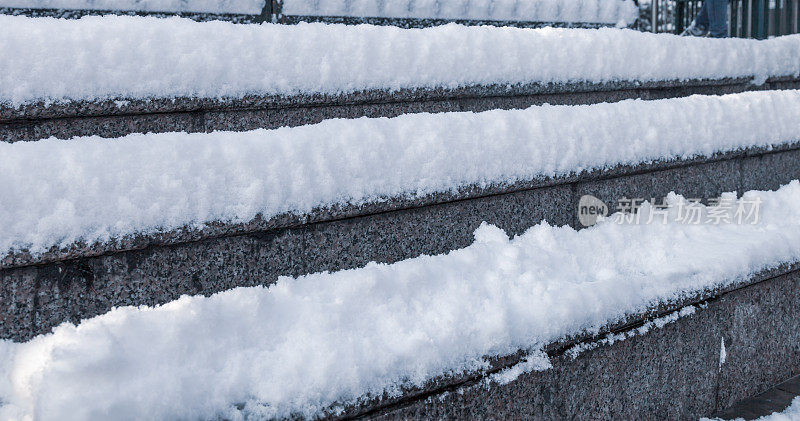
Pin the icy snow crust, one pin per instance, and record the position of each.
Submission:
(306, 343)
(623, 12)
(93, 58)
(56, 192)
(244, 7)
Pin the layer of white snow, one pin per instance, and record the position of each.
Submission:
(244, 7)
(55, 192)
(792, 413)
(94, 58)
(305, 343)
(623, 12)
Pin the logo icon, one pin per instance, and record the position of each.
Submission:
(591, 210)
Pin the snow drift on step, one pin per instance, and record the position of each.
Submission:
(244, 7)
(93, 58)
(304, 344)
(623, 12)
(56, 192)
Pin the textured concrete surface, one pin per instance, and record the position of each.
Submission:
(39, 294)
(114, 118)
(669, 373)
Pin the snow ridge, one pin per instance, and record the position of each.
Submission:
(177, 57)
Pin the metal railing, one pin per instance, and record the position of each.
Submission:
(758, 19)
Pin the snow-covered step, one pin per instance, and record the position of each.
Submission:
(234, 11)
(395, 12)
(628, 319)
(90, 224)
(243, 7)
(200, 77)
(603, 12)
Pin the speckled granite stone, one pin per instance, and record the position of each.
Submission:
(113, 126)
(113, 118)
(762, 339)
(36, 298)
(390, 237)
(770, 170)
(669, 373)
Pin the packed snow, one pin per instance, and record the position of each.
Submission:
(623, 12)
(303, 344)
(55, 192)
(792, 413)
(93, 57)
(244, 7)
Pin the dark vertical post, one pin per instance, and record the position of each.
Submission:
(747, 9)
(796, 16)
(679, 16)
(760, 18)
(786, 14)
(654, 16)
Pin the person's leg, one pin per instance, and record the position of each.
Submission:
(718, 17)
(702, 21)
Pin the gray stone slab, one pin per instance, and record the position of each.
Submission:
(721, 89)
(784, 83)
(479, 104)
(270, 118)
(701, 181)
(770, 171)
(103, 126)
(37, 298)
(667, 374)
(436, 229)
(774, 400)
(792, 386)
(762, 339)
(15, 132)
